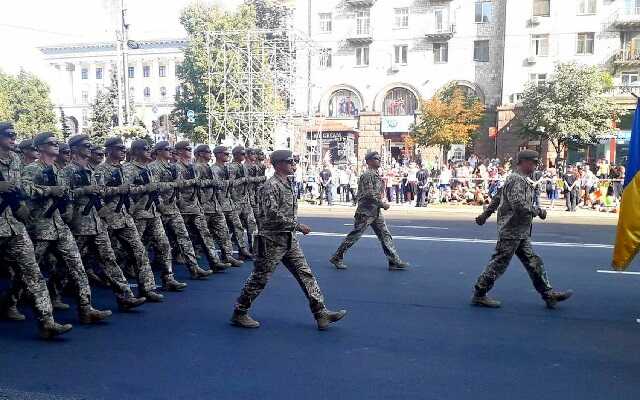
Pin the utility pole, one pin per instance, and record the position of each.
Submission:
(125, 64)
(120, 72)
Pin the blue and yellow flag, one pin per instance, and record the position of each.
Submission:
(628, 235)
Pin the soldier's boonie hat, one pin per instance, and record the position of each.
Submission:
(162, 145)
(42, 138)
(371, 155)
(26, 144)
(220, 149)
(239, 150)
(114, 141)
(281, 155)
(6, 129)
(139, 144)
(182, 145)
(528, 155)
(202, 148)
(79, 140)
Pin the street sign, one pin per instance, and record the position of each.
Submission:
(191, 114)
(191, 120)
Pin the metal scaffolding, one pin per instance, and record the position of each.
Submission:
(251, 85)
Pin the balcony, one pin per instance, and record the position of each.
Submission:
(445, 32)
(626, 18)
(627, 58)
(360, 3)
(623, 93)
(360, 36)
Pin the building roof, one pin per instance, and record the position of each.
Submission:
(110, 46)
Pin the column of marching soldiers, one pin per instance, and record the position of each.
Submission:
(90, 219)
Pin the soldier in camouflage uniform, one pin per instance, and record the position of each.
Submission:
(47, 197)
(64, 156)
(28, 153)
(97, 156)
(515, 214)
(86, 225)
(211, 206)
(368, 213)
(15, 244)
(120, 224)
(276, 242)
(221, 172)
(144, 211)
(174, 224)
(256, 169)
(490, 209)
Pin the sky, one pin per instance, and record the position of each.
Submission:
(28, 24)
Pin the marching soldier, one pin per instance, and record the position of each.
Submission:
(211, 206)
(28, 153)
(174, 224)
(144, 210)
(86, 225)
(255, 169)
(120, 224)
(97, 156)
(221, 172)
(368, 213)
(48, 199)
(515, 214)
(276, 242)
(64, 156)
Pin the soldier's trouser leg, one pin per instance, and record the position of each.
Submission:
(360, 225)
(534, 266)
(152, 229)
(68, 251)
(249, 223)
(14, 293)
(296, 263)
(101, 245)
(386, 240)
(505, 249)
(176, 225)
(18, 250)
(233, 221)
(130, 239)
(218, 227)
(197, 224)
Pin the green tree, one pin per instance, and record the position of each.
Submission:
(569, 108)
(104, 112)
(66, 131)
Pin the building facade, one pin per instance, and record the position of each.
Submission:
(81, 71)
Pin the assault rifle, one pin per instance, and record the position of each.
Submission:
(83, 179)
(173, 169)
(116, 180)
(60, 203)
(154, 197)
(11, 199)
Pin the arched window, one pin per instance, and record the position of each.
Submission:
(147, 92)
(469, 92)
(399, 101)
(344, 104)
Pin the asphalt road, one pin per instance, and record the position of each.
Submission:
(408, 335)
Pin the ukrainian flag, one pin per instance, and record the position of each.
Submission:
(628, 235)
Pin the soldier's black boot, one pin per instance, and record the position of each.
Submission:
(245, 254)
(152, 296)
(228, 258)
(96, 280)
(126, 303)
(398, 265)
(51, 329)
(482, 300)
(12, 313)
(172, 285)
(553, 298)
(199, 273)
(326, 317)
(56, 297)
(338, 262)
(243, 320)
(89, 315)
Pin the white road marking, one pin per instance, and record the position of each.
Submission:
(606, 271)
(413, 227)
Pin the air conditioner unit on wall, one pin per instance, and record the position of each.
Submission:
(531, 60)
(394, 67)
(535, 20)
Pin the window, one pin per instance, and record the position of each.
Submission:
(541, 8)
(326, 25)
(146, 71)
(440, 53)
(363, 22)
(401, 54)
(344, 103)
(85, 73)
(362, 56)
(163, 93)
(481, 50)
(629, 78)
(438, 16)
(178, 90)
(401, 18)
(538, 79)
(147, 92)
(132, 72)
(325, 58)
(399, 101)
(85, 97)
(483, 12)
(162, 71)
(132, 92)
(85, 117)
(178, 66)
(98, 73)
(586, 7)
(540, 45)
(584, 43)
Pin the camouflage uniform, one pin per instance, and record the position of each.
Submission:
(51, 232)
(257, 170)
(221, 172)
(239, 173)
(120, 224)
(368, 213)
(17, 248)
(276, 242)
(515, 215)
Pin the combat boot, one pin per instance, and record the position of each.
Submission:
(172, 285)
(232, 261)
(338, 262)
(59, 305)
(219, 266)
(51, 329)
(96, 280)
(245, 255)
(484, 301)
(553, 298)
(89, 315)
(326, 317)
(152, 297)
(398, 265)
(242, 319)
(130, 302)
(199, 273)
(13, 314)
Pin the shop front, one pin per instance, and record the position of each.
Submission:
(333, 144)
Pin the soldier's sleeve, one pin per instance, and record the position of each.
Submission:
(224, 184)
(129, 176)
(494, 204)
(270, 206)
(367, 189)
(515, 190)
(234, 174)
(253, 176)
(30, 183)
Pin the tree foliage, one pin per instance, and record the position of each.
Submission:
(65, 130)
(24, 100)
(450, 117)
(570, 107)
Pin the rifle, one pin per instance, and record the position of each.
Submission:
(11, 199)
(191, 174)
(173, 169)
(61, 203)
(83, 179)
(116, 180)
(154, 197)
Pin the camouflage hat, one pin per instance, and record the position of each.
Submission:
(77, 140)
(26, 144)
(202, 148)
(42, 138)
(161, 145)
(139, 144)
(96, 148)
(372, 155)
(64, 148)
(251, 151)
(114, 141)
(7, 129)
(221, 149)
(239, 150)
(281, 155)
(528, 155)
(260, 152)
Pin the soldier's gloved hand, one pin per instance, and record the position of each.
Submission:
(386, 205)
(57, 191)
(542, 213)
(7, 187)
(305, 229)
(481, 219)
(94, 189)
(124, 189)
(153, 187)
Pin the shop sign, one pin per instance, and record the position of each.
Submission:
(402, 123)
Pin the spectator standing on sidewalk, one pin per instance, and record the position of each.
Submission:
(326, 185)
(571, 188)
(352, 185)
(423, 184)
(343, 183)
